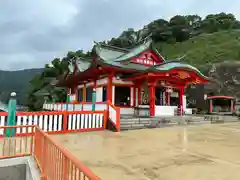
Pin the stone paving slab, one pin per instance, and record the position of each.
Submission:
(202, 152)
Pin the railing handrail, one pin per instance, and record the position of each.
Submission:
(77, 163)
(19, 113)
(21, 126)
(72, 158)
(75, 103)
(111, 104)
(117, 109)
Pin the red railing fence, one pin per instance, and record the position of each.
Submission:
(54, 161)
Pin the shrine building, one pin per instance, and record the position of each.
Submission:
(139, 80)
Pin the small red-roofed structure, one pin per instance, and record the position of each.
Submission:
(221, 104)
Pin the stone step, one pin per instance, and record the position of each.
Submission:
(133, 126)
(157, 122)
(162, 125)
(135, 122)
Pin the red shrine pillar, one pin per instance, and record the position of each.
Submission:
(167, 97)
(152, 100)
(181, 93)
(109, 88)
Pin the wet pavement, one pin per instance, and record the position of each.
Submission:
(203, 152)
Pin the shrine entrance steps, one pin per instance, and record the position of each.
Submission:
(128, 122)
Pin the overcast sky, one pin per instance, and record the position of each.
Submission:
(33, 32)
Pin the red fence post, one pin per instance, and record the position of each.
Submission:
(65, 121)
(118, 118)
(65, 167)
(105, 119)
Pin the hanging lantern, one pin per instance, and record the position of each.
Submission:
(193, 86)
(162, 83)
(169, 90)
(205, 96)
(145, 94)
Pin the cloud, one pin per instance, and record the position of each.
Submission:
(32, 33)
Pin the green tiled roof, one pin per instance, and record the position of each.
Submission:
(83, 64)
(175, 65)
(130, 66)
(71, 67)
(107, 54)
(113, 56)
(118, 54)
(135, 51)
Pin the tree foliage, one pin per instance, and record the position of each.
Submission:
(42, 83)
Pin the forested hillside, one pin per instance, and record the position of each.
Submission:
(16, 81)
(206, 48)
(199, 41)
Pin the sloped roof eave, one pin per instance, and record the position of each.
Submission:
(154, 69)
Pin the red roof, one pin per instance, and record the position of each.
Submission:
(220, 97)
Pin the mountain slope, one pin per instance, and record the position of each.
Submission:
(16, 81)
(205, 48)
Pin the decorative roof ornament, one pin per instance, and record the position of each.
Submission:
(82, 64)
(159, 54)
(146, 39)
(213, 69)
(97, 44)
(182, 57)
(71, 67)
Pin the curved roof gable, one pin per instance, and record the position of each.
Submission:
(168, 66)
(114, 54)
(83, 64)
(135, 51)
(108, 53)
(80, 64)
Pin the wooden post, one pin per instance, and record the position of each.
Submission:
(232, 106)
(181, 93)
(11, 119)
(134, 96)
(152, 100)
(65, 121)
(109, 88)
(210, 106)
(84, 93)
(167, 97)
(76, 94)
(139, 95)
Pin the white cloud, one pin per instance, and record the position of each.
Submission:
(32, 32)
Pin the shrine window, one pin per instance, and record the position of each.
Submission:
(80, 95)
(89, 91)
(122, 96)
